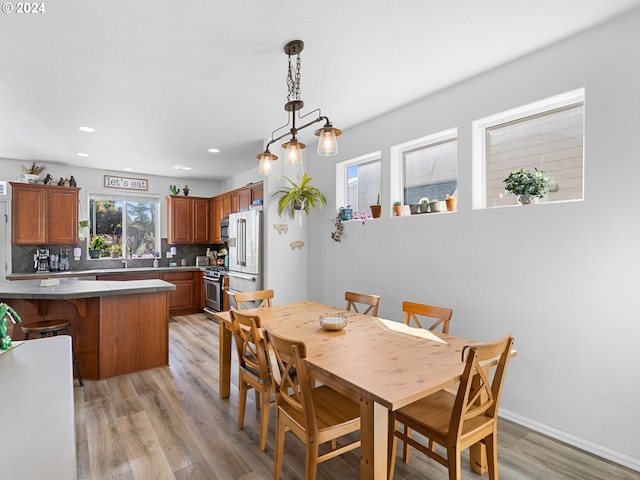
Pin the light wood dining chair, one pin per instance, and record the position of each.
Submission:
(254, 369)
(315, 415)
(258, 299)
(355, 299)
(458, 420)
(441, 314)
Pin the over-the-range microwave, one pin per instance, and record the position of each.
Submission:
(224, 230)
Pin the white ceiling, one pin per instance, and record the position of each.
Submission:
(162, 81)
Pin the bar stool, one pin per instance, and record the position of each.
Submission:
(50, 328)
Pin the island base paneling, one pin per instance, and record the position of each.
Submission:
(112, 335)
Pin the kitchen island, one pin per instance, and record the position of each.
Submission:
(117, 326)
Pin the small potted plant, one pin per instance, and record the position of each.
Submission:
(115, 250)
(299, 196)
(452, 203)
(527, 185)
(397, 208)
(424, 205)
(376, 210)
(96, 247)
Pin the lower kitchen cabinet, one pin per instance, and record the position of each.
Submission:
(184, 300)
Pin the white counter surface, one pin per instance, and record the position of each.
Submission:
(77, 288)
(37, 434)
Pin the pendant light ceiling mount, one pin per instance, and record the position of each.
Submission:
(327, 143)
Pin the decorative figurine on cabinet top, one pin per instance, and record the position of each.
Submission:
(6, 311)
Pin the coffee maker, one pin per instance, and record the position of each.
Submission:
(42, 260)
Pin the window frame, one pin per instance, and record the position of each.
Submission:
(397, 151)
(479, 127)
(125, 198)
(341, 174)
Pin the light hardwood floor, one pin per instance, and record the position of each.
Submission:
(169, 423)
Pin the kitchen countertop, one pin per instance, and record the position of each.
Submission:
(70, 288)
(101, 271)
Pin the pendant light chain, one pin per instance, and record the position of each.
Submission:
(293, 82)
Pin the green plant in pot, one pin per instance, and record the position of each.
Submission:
(376, 210)
(96, 247)
(527, 185)
(299, 196)
(115, 250)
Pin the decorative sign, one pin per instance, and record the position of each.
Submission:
(126, 183)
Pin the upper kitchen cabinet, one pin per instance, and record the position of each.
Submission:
(44, 214)
(188, 220)
(217, 204)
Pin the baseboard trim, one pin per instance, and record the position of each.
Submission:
(600, 451)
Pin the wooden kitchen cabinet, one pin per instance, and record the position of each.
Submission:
(216, 216)
(44, 214)
(188, 220)
(226, 205)
(257, 191)
(185, 299)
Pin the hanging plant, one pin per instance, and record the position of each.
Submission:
(337, 222)
(299, 196)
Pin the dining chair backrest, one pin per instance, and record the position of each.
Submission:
(259, 299)
(441, 314)
(371, 301)
(250, 345)
(478, 394)
(290, 379)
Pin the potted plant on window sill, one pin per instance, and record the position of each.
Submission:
(376, 210)
(115, 250)
(299, 196)
(397, 208)
(96, 247)
(527, 185)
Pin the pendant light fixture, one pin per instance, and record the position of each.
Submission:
(327, 143)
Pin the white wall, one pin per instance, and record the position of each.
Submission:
(560, 277)
(92, 181)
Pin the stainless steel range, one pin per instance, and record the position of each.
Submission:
(213, 281)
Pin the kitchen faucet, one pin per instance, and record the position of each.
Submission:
(125, 260)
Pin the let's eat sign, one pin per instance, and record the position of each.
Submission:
(126, 183)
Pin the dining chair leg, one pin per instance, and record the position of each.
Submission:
(258, 403)
(311, 463)
(406, 448)
(453, 456)
(279, 447)
(243, 403)
(392, 445)
(492, 455)
(264, 419)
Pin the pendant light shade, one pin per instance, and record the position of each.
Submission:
(294, 151)
(266, 162)
(328, 141)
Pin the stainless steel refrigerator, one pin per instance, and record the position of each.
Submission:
(245, 252)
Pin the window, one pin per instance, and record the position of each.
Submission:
(358, 182)
(548, 135)
(426, 168)
(130, 221)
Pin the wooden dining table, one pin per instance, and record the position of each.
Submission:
(383, 369)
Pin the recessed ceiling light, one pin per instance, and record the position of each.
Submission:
(186, 168)
(128, 169)
(214, 150)
(87, 129)
(82, 154)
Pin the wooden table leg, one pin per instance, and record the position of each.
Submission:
(373, 437)
(225, 361)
